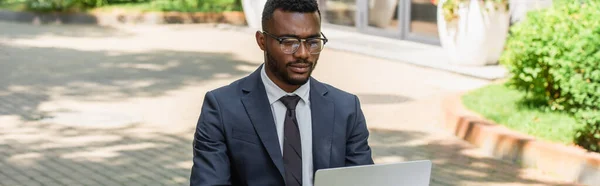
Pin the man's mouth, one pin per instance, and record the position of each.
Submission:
(299, 68)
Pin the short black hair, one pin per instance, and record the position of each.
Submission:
(302, 6)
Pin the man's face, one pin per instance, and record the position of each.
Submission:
(296, 68)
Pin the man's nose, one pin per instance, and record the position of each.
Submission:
(303, 52)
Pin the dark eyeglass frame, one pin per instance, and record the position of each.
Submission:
(280, 40)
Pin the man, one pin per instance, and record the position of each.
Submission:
(279, 125)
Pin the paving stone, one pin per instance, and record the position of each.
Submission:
(52, 183)
(11, 171)
(43, 179)
(21, 178)
(87, 181)
(5, 180)
(31, 183)
(68, 181)
(134, 183)
(54, 175)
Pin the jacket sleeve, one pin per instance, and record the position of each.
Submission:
(358, 151)
(210, 157)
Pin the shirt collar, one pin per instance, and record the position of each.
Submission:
(274, 92)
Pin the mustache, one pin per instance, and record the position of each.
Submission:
(300, 62)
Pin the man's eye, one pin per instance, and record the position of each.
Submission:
(289, 42)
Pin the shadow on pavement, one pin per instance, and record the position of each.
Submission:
(450, 165)
(47, 154)
(31, 75)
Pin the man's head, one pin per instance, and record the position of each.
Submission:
(289, 63)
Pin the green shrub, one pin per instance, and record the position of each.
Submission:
(197, 5)
(155, 5)
(62, 5)
(589, 135)
(554, 56)
(220, 5)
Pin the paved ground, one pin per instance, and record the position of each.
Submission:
(101, 106)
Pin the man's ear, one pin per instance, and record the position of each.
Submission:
(260, 40)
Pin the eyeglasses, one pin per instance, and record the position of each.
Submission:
(290, 45)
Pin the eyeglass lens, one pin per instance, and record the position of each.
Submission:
(290, 46)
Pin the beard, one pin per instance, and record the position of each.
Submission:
(281, 72)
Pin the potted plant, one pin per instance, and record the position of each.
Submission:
(473, 32)
(253, 11)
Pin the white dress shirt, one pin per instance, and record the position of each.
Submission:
(303, 116)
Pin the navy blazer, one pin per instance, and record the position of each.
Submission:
(236, 143)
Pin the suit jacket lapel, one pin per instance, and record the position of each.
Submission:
(257, 106)
(322, 110)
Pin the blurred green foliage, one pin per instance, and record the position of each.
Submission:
(140, 5)
(554, 56)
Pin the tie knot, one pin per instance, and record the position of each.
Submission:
(290, 102)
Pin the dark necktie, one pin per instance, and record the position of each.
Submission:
(292, 149)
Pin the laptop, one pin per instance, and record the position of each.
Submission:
(412, 173)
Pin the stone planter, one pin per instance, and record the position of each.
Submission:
(253, 11)
(477, 37)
